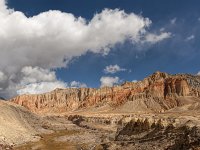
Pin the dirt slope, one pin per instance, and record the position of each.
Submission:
(17, 125)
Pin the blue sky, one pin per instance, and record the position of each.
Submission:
(178, 53)
(175, 55)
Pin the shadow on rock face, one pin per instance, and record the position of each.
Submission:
(156, 135)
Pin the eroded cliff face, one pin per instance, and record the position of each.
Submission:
(144, 131)
(156, 93)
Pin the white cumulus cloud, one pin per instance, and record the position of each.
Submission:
(198, 73)
(2, 77)
(135, 81)
(51, 39)
(3, 80)
(153, 38)
(41, 87)
(173, 21)
(191, 37)
(113, 69)
(32, 75)
(109, 81)
(37, 80)
(76, 84)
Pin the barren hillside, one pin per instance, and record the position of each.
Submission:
(17, 124)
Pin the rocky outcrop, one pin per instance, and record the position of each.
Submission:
(144, 131)
(156, 93)
(157, 136)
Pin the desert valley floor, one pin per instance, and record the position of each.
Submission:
(161, 112)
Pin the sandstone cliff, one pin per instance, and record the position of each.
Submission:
(156, 93)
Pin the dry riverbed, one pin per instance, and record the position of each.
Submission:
(61, 134)
(51, 142)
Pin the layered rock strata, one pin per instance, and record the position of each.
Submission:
(156, 93)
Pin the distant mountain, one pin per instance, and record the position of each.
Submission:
(156, 93)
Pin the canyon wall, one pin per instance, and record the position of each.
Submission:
(156, 93)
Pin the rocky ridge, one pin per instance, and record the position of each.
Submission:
(145, 131)
(156, 93)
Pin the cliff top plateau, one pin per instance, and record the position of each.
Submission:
(160, 92)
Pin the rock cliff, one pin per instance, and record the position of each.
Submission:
(156, 93)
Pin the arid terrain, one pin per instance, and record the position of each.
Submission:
(160, 112)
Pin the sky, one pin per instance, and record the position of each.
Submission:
(48, 44)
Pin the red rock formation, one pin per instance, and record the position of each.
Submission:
(160, 89)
